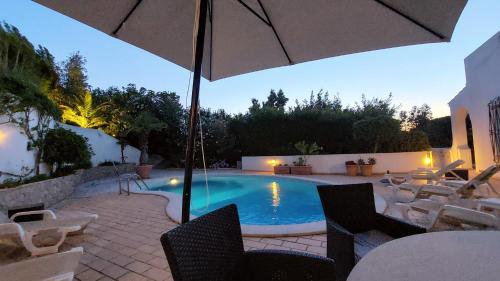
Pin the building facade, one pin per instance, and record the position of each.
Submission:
(471, 140)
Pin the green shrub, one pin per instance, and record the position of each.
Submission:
(108, 163)
(11, 183)
(66, 150)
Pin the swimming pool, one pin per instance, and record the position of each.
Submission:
(261, 200)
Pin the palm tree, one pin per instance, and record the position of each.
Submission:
(143, 125)
(84, 113)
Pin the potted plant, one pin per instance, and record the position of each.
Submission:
(300, 167)
(281, 169)
(351, 168)
(367, 168)
(143, 125)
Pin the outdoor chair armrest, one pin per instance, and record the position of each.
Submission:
(47, 214)
(340, 247)
(286, 265)
(397, 228)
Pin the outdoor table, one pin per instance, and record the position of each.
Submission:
(438, 256)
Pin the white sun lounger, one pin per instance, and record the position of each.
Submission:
(430, 175)
(459, 214)
(482, 178)
(50, 220)
(449, 188)
(15, 230)
(54, 267)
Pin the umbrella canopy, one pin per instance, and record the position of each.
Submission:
(222, 38)
(249, 35)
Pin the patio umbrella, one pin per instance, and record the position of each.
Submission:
(222, 38)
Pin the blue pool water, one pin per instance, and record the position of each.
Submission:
(261, 200)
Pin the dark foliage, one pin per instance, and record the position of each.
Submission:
(66, 150)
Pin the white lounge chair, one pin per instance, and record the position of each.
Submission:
(430, 175)
(54, 267)
(457, 214)
(448, 188)
(482, 178)
(15, 231)
(50, 220)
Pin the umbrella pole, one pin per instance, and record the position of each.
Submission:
(193, 115)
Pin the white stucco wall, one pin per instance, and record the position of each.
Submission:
(482, 71)
(14, 156)
(401, 162)
(104, 146)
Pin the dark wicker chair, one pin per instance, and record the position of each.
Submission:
(350, 213)
(210, 248)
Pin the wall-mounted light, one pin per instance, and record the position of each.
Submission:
(273, 162)
(428, 160)
(3, 136)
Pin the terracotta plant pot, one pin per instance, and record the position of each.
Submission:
(301, 170)
(281, 170)
(144, 171)
(366, 170)
(352, 170)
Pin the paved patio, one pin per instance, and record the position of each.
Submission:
(124, 243)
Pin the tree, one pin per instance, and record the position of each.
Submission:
(73, 78)
(375, 134)
(84, 112)
(255, 107)
(320, 101)
(19, 58)
(417, 118)
(64, 148)
(375, 107)
(143, 125)
(28, 108)
(276, 100)
(439, 132)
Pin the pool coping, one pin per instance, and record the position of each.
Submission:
(174, 210)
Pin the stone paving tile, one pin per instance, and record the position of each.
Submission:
(157, 274)
(89, 275)
(138, 266)
(131, 276)
(122, 260)
(114, 271)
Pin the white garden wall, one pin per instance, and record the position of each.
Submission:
(401, 162)
(105, 147)
(14, 156)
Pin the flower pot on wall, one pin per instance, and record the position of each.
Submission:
(281, 170)
(144, 171)
(366, 170)
(301, 170)
(352, 170)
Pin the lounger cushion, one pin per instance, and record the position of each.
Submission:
(364, 242)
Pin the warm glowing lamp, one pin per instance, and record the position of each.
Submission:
(3, 136)
(173, 181)
(428, 160)
(272, 162)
